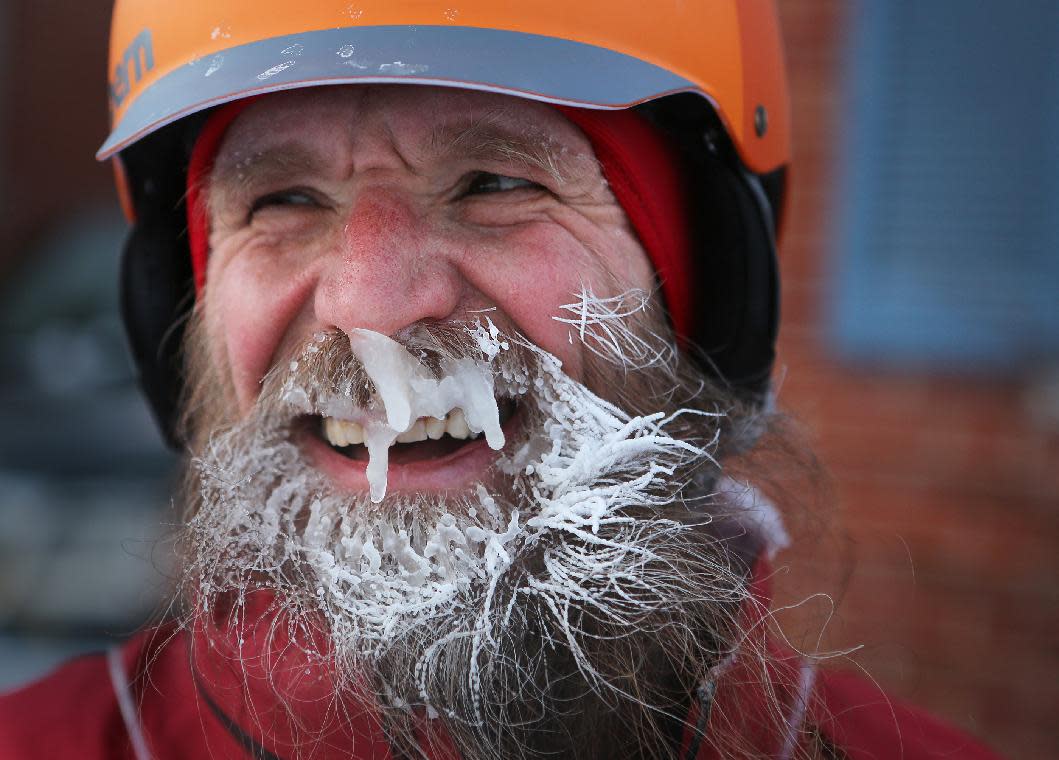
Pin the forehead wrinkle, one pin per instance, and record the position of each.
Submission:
(395, 146)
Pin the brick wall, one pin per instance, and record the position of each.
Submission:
(54, 117)
(941, 551)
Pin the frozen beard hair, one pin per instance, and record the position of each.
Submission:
(568, 604)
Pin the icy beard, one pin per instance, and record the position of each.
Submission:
(569, 604)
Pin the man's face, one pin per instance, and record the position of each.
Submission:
(381, 208)
(497, 587)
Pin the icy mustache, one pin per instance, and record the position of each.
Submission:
(406, 391)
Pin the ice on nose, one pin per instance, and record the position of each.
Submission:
(409, 391)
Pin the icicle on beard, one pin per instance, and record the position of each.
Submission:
(568, 605)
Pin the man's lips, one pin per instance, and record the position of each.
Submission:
(444, 463)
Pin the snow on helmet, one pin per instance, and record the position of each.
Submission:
(710, 75)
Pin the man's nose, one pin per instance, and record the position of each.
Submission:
(392, 268)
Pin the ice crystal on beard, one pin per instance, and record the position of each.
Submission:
(430, 574)
(605, 326)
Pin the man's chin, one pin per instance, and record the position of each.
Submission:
(506, 665)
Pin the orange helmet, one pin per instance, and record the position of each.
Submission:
(710, 75)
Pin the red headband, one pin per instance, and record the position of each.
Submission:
(643, 172)
(640, 166)
(199, 167)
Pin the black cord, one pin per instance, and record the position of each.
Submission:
(705, 694)
(253, 747)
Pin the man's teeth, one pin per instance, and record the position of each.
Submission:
(347, 433)
(418, 432)
(435, 428)
(456, 425)
(342, 432)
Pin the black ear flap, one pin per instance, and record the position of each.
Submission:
(733, 214)
(157, 295)
(735, 311)
(157, 285)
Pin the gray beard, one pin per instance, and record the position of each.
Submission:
(569, 606)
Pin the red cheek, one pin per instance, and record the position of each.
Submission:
(529, 277)
(254, 311)
(533, 310)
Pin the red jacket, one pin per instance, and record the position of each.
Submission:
(142, 701)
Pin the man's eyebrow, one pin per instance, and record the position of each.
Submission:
(486, 139)
(239, 172)
(482, 139)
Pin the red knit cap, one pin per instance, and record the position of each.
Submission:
(640, 166)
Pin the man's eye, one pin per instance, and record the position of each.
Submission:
(284, 198)
(485, 182)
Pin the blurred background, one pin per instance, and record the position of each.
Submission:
(919, 352)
